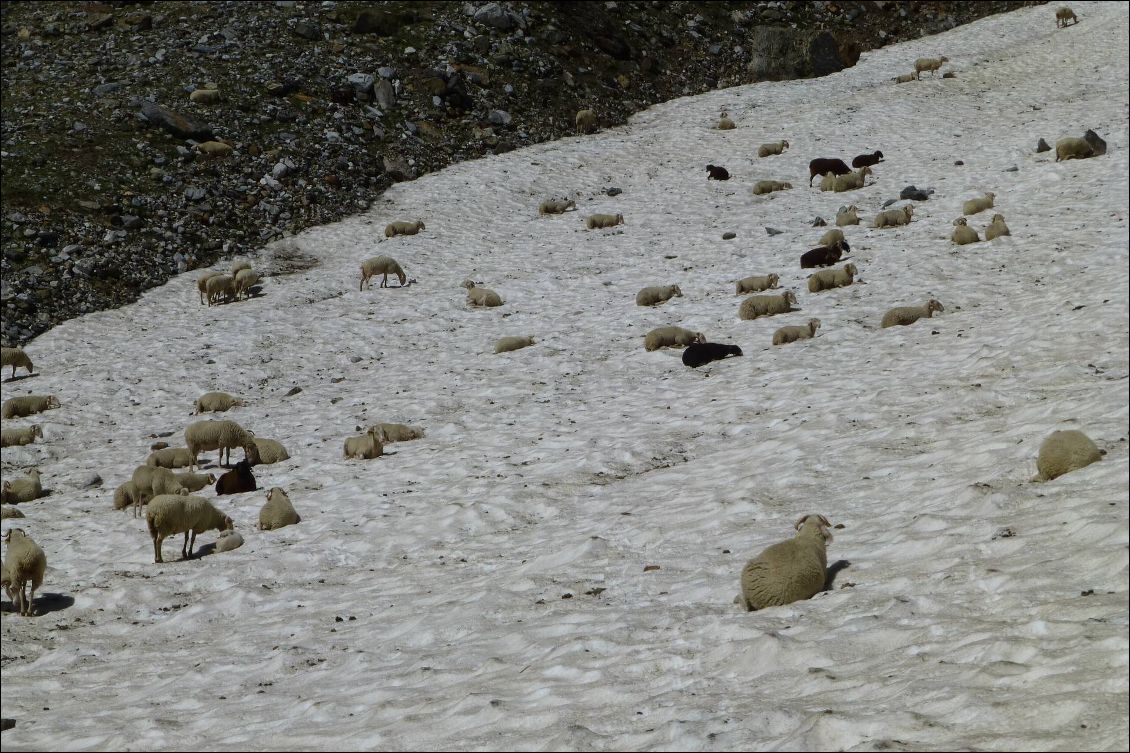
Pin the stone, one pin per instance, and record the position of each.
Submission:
(176, 124)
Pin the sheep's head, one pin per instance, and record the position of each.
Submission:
(814, 324)
(991, 197)
(735, 350)
(37, 430)
(251, 454)
(699, 337)
(619, 219)
(420, 225)
(52, 401)
(226, 524)
(773, 279)
(467, 284)
(402, 277)
(934, 305)
(851, 269)
(784, 143)
(998, 218)
(789, 297)
(676, 292)
(819, 522)
(960, 221)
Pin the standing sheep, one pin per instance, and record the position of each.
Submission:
(403, 228)
(170, 514)
(26, 405)
(794, 333)
(894, 217)
(389, 433)
(22, 489)
(996, 228)
(962, 233)
(216, 402)
(25, 562)
(477, 296)
(904, 315)
(822, 165)
(766, 305)
(220, 286)
(655, 295)
(15, 357)
(928, 64)
(556, 206)
(1073, 147)
(973, 206)
(774, 147)
(170, 457)
(757, 283)
(381, 265)
(21, 436)
(277, 512)
(270, 451)
(671, 337)
(769, 186)
(128, 495)
(244, 281)
(826, 279)
(507, 344)
(220, 435)
(595, 221)
(365, 447)
(1064, 14)
(847, 216)
(1063, 452)
(791, 570)
(202, 284)
(585, 121)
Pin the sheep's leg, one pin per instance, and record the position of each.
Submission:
(191, 543)
(31, 601)
(384, 281)
(184, 548)
(157, 541)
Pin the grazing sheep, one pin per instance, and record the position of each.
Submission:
(219, 435)
(847, 216)
(996, 228)
(26, 405)
(403, 228)
(894, 217)
(507, 344)
(774, 147)
(797, 332)
(928, 64)
(24, 562)
(216, 402)
(905, 78)
(219, 286)
(962, 233)
(824, 256)
(973, 206)
(671, 337)
(277, 512)
(585, 121)
(1063, 452)
(21, 436)
(653, 296)
(170, 514)
(227, 541)
(700, 354)
(822, 165)
(1063, 15)
(128, 495)
(364, 447)
(7, 511)
(766, 305)
(791, 570)
(22, 489)
(725, 124)
(556, 206)
(714, 172)
(903, 315)
(202, 284)
(239, 266)
(270, 451)
(1073, 147)
(757, 283)
(1096, 142)
(477, 296)
(603, 220)
(867, 160)
(832, 237)
(389, 433)
(170, 457)
(164, 481)
(194, 482)
(826, 279)
(769, 186)
(384, 265)
(15, 357)
(244, 281)
(238, 480)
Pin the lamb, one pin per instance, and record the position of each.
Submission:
(7, 511)
(24, 562)
(973, 206)
(23, 435)
(364, 447)
(603, 220)
(823, 256)
(477, 296)
(766, 305)
(822, 165)
(227, 541)
(962, 233)
(238, 480)
(244, 281)
(769, 186)
(219, 286)
(757, 283)
(554, 206)
(22, 489)
(170, 457)
(270, 451)
(194, 482)
(774, 147)
(202, 284)
(903, 315)
(655, 295)
(671, 337)
(726, 124)
(15, 357)
(1063, 15)
(215, 402)
(832, 237)
(996, 228)
(791, 570)
(389, 433)
(867, 160)
(507, 344)
(894, 217)
(1073, 147)
(277, 512)
(26, 405)
(1063, 452)
(219, 435)
(403, 228)
(383, 265)
(928, 64)
(826, 279)
(847, 216)
(170, 514)
(905, 78)
(585, 121)
(714, 172)
(800, 332)
(700, 354)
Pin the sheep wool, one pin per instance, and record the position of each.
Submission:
(962, 233)
(596, 221)
(653, 296)
(791, 570)
(766, 305)
(19, 490)
(202, 284)
(244, 281)
(832, 237)
(170, 457)
(365, 447)
(26, 405)
(403, 228)
(826, 279)
(996, 228)
(905, 315)
(21, 436)
(556, 206)
(484, 297)
(7, 511)
(769, 186)
(270, 451)
(170, 514)
(726, 124)
(389, 433)
(24, 563)
(928, 64)
(219, 286)
(507, 344)
(775, 147)
(1063, 452)
(216, 402)
(800, 332)
(381, 265)
(757, 283)
(847, 216)
(202, 436)
(15, 357)
(194, 482)
(585, 121)
(669, 337)
(1073, 147)
(277, 512)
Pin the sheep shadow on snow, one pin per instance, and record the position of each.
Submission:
(20, 378)
(834, 570)
(43, 604)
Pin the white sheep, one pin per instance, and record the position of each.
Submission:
(24, 562)
(791, 570)
(19, 490)
(21, 436)
(128, 495)
(507, 344)
(757, 283)
(826, 279)
(1063, 452)
(904, 315)
(164, 481)
(832, 237)
(657, 294)
(797, 332)
(8, 511)
(996, 228)
(847, 216)
(364, 447)
(773, 147)
(381, 265)
(170, 457)
(1063, 14)
(245, 279)
(227, 541)
(928, 64)
(219, 286)
(26, 405)
(963, 234)
(894, 217)
(769, 186)
(585, 121)
(905, 78)
(270, 451)
(277, 511)
(211, 149)
(194, 482)
(556, 206)
(220, 435)
(216, 402)
(477, 296)
(973, 206)
(848, 182)
(1073, 147)
(671, 337)
(239, 266)
(170, 514)
(726, 124)
(202, 284)
(766, 305)
(389, 433)
(15, 357)
(596, 221)
(403, 228)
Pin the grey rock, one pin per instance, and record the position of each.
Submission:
(195, 193)
(178, 125)
(499, 117)
(819, 222)
(729, 236)
(959, 162)
(293, 391)
(131, 221)
(229, 540)
(108, 88)
(917, 194)
(355, 359)
(386, 72)
(1012, 169)
(888, 202)
(773, 231)
(91, 481)
(1042, 146)
(384, 94)
(308, 30)
(362, 84)
(494, 15)
(613, 191)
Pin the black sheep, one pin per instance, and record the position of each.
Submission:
(824, 256)
(703, 353)
(822, 165)
(238, 479)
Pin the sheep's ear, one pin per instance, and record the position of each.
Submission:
(800, 522)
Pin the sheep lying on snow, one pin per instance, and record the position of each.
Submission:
(832, 237)
(216, 402)
(169, 514)
(910, 314)
(823, 165)
(381, 265)
(25, 562)
(790, 570)
(774, 147)
(766, 305)
(726, 124)
(973, 206)
(1063, 452)
(477, 296)
(769, 186)
(277, 512)
(220, 435)
(928, 64)
(794, 333)
(757, 283)
(905, 78)
(866, 160)
(848, 182)
(26, 405)
(1064, 14)
(270, 451)
(826, 279)
(403, 228)
(23, 435)
(585, 121)
(594, 221)
(194, 482)
(219, 286)
(15, 357)
(556, 206)
(655, 295)
(824, 256)
(227, 541)
(507, 344)
(202, 284)
(671, 337)
(714, 172)
(996, 228)
(700, 354)
(894, 217)
(1073, 147)
(7, 511)
(22, 489)
(389, 433)
(364, 447)
(962, 233)
(238, 480)
(170, 457)
(244, 281)
(847, 216)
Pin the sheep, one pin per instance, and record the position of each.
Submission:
(655, 295)
(973, 206)
(238, 480)
(832, 237)
(26, 405)
(769, 186)
(15, 357)
(905, 78)
(227, 541)
(22, 489)
(194, 482)
(1073, 147)
(270, 451)
(585, 121)
(671, 337)
(389, 433)
(715, 172)
(996, 228)
(507, 344)
(822, 165)
(202, 284)
(774, 147)
(794, 333)
(867, 160)
(25, 561)
(826, 279)
(847, 182)
(1064, 14)
(164, 481)
(277, 512)
(700, 354)
(1096, 142)
(244, 281)
(928, 64)
(554, 206)
(1063, 452)
(169, 514)
(766, 305)
(847, 216)
(219, 286)
(894, 217)
(219, 435)
(904, 315)
(726, 124)
(403, 228)
(239, 266)
(477, 296)
(364, 447)
(212, 149)
(7, 511)
(603, 220)
(128, 495)
(791, 570)
(23, 435)
(216, 402)
(757, 283)
(382, 265)
(823, 256)
(170, 457)
(962, 233)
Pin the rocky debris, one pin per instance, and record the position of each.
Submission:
(917, 194)
(1042, 146)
